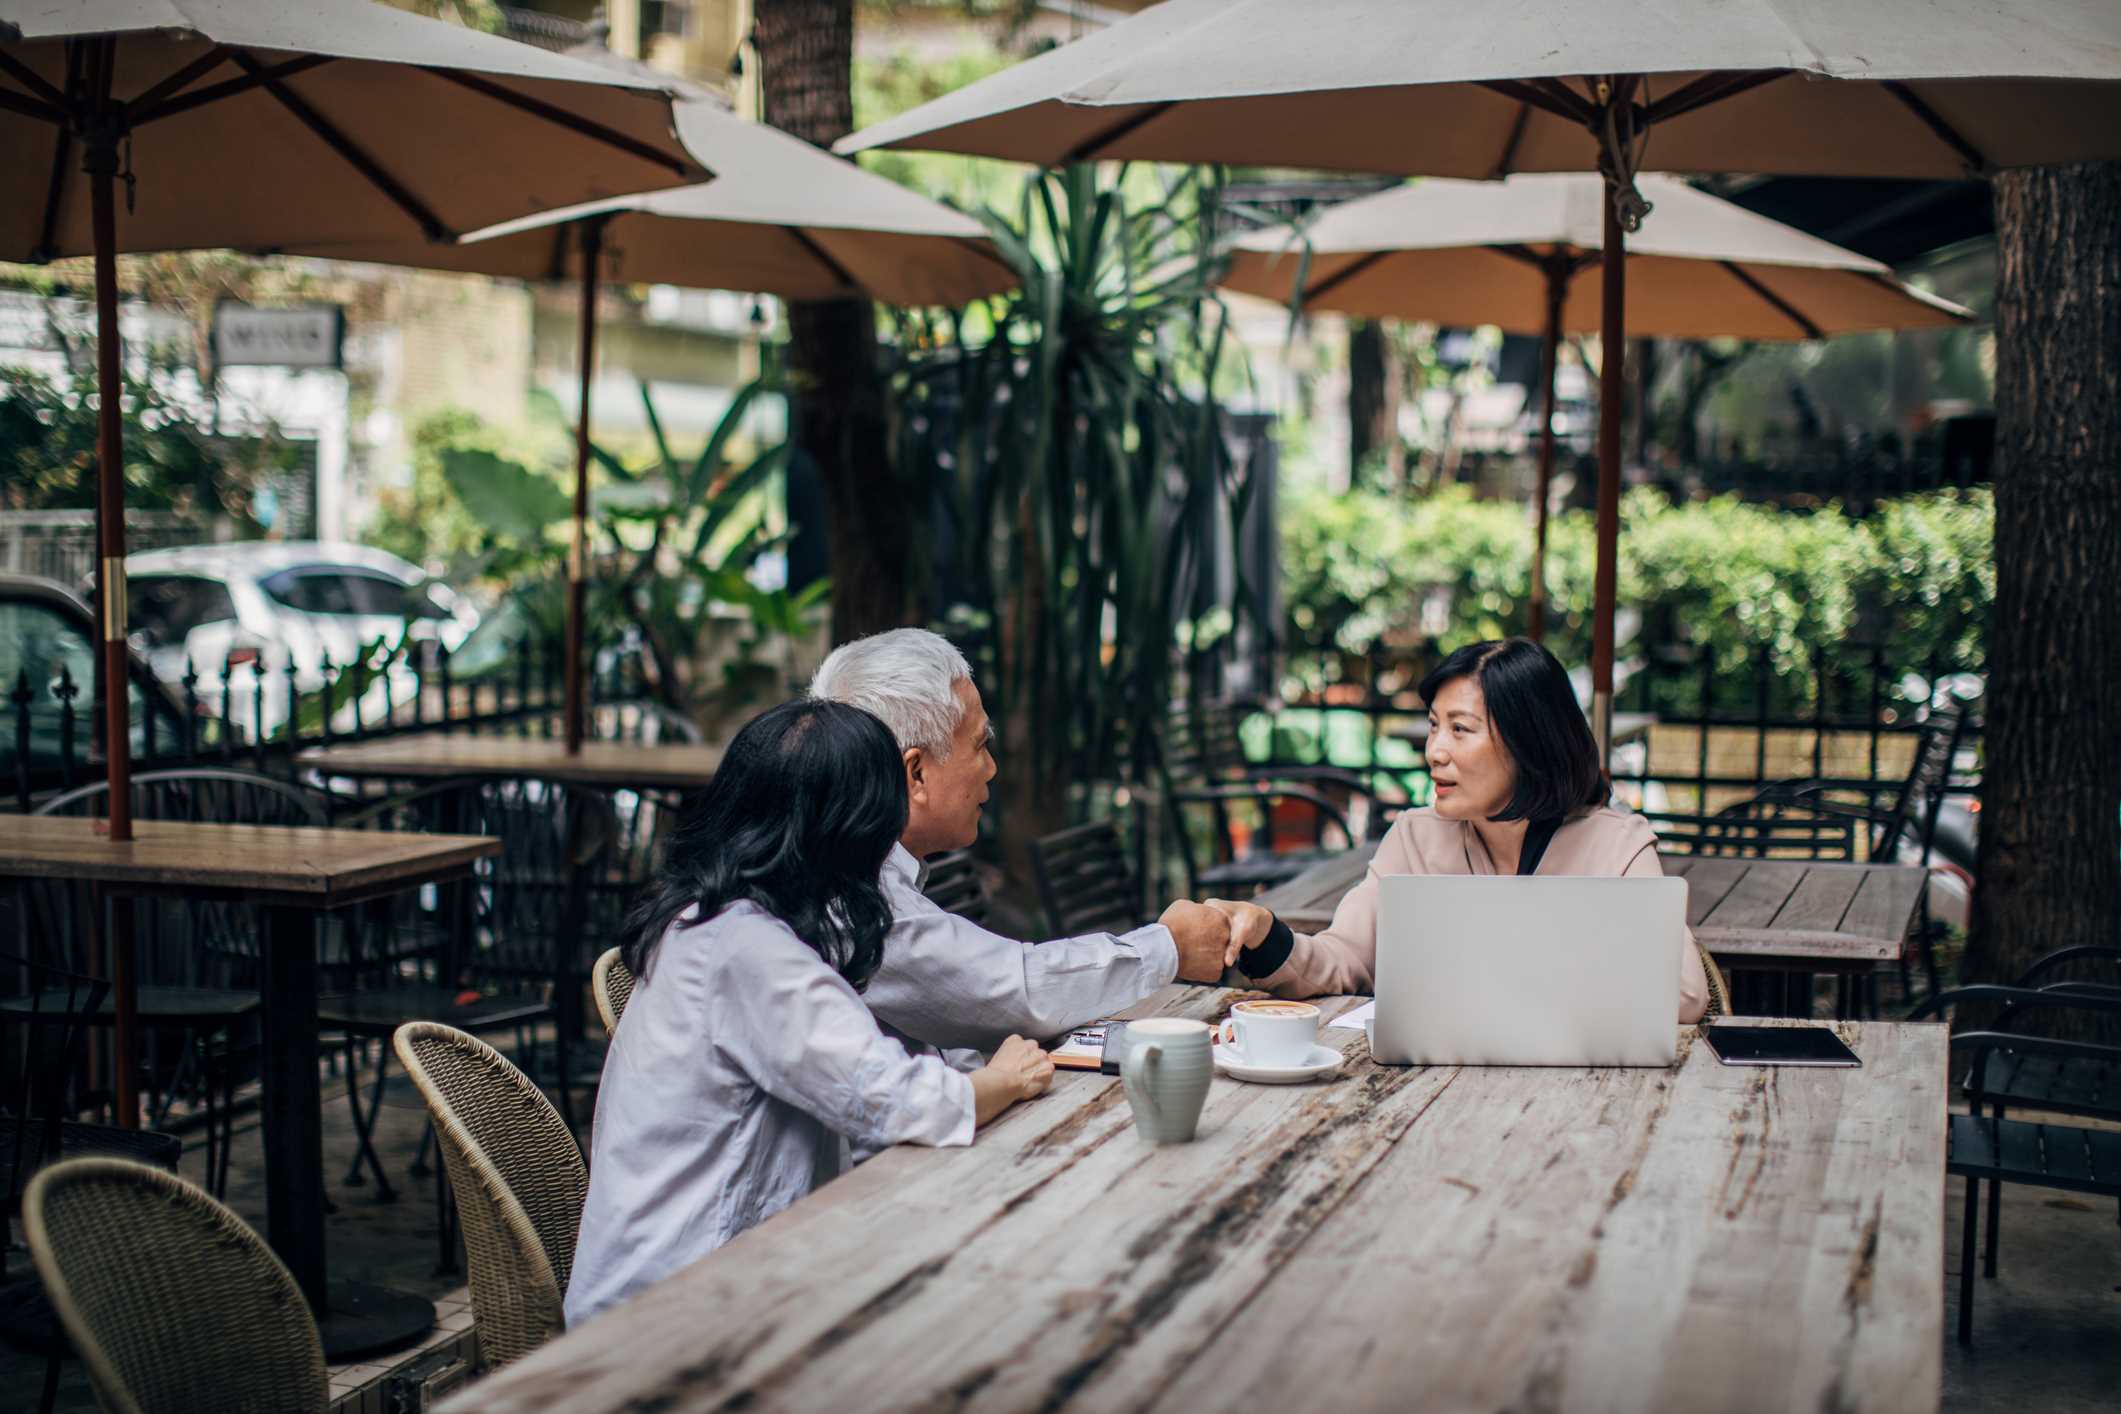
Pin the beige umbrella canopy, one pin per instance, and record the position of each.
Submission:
(1470, 253)
(780, 218)
(1507, 253)
(1429, 87)
(1883, 88)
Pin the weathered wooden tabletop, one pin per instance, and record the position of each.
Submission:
(440, 756)
(1755, 912)
(265, 863)
(1395, 1238)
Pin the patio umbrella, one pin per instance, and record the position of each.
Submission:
(247, 122)
(1507, 253)
(1886, 88)
(780, 218)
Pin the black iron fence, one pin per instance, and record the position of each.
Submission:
(241, 714)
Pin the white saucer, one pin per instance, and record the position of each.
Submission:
(1323, 1060)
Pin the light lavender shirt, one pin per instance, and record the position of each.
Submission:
(742, 1063)
(948, 982)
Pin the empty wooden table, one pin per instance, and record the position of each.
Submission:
(433, 756)
(1790, 916)
(1395, 1238)
(296, 875)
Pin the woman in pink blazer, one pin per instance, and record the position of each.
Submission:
(1519, 790)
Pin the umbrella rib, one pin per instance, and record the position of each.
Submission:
(839, 271)
(1746, 278)
(47, 238)
(338, 142)
(257, 77)
(1341, 277)
(30, 79)
(205, 64)
(1509, 148)
(1563, 104)
(62, 149)
(1709, 88)
(30, 107)
(573, 122)
(1089, 146)
(1945, 132)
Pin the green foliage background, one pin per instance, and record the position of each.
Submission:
(1722, 575)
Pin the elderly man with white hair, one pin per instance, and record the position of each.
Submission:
(944, 979)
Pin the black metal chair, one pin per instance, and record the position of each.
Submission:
(2008, 1069)
(1227, 807)
(198, 958)
(641, 721)
(1085, 881)
(953, 882)
(41, 1041)
(494, 954)
(1246, 835)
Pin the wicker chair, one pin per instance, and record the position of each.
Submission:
(171, 1300)
(1719, 989)
(611, 982)
(519, 1180)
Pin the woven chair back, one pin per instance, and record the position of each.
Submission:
(171, 1300)
(519, 1180)
(611, 982)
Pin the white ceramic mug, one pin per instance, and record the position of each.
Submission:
(1166, 1071)
(1275, 1032)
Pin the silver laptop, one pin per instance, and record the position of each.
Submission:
(1480, 970)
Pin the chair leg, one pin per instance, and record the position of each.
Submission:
(50, 1398)
(1966, 1262)
(1995, 1206)
(420, 1167)
(365, 1124)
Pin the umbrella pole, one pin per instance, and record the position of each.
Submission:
(99, 162)
(1556, 284)
(1612, 359)
(578, 540)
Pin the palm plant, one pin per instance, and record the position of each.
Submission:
(1083, 475)
(672, 539)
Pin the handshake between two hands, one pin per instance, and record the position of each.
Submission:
(1211, 935)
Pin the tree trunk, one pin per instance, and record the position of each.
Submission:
(806, 61)
(1373, 408)
(2050, 860)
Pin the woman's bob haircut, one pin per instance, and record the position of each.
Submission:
(1533, 709)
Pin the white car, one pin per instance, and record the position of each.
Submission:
(255, 607)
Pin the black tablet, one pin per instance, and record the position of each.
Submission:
(1778, 1045)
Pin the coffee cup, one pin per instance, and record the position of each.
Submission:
(1275, 1032)
(1166, 1071)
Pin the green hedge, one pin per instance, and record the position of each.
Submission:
(1735, 578)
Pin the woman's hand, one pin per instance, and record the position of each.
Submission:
(1018, 1070)
(1249, 926)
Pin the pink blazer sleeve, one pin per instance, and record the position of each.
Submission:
(1343, 958)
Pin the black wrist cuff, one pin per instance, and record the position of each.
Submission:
(1267, 959)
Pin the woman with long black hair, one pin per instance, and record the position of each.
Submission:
(747, 1055)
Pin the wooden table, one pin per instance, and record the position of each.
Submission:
(296, 875)
(611, 765)
(1777, 915)
(1396, 1238)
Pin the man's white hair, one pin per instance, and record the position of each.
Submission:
(907, 677)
